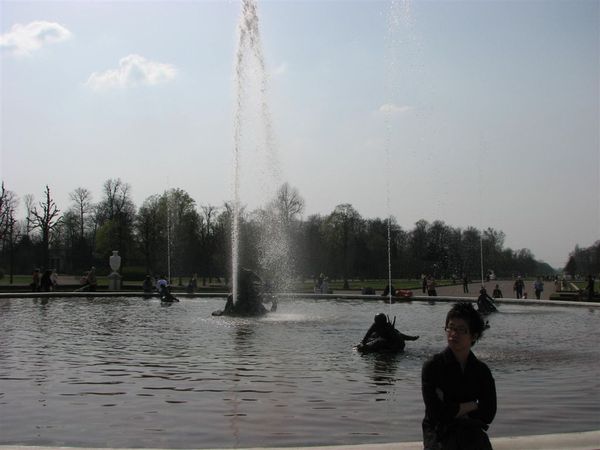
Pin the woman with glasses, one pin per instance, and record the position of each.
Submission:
(458, 390)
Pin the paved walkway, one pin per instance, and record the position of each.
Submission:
(506, 286)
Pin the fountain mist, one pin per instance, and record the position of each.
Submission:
(253, 132)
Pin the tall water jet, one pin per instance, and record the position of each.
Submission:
(399, 19)
(251, 86)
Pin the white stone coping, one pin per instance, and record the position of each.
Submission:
(585, 440)
(339, 296)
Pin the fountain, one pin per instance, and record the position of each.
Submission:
(123, 372)
(397, 16)
(250, 297)
(251, 84)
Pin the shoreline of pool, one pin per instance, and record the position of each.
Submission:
(292, 295)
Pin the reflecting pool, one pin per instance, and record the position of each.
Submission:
(128, 372)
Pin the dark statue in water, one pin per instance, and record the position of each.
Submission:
(251, 294)
(485, 303)
(383, 337)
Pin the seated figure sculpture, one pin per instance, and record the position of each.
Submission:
(383, 337)
(249, 298)
(485, 304)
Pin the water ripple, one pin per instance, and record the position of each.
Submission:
(180, 374)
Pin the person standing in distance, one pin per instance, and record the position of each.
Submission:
(458, 389)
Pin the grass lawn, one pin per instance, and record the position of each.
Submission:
(17, 280)
(306, 286)
(25, 280)
(377, 284)
(583, 285)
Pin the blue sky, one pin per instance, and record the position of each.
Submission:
(494, 106)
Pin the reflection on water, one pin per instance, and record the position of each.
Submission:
(129, 373)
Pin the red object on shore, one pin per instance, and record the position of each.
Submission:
(404, 293)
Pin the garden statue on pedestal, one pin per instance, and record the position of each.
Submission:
(114, 279)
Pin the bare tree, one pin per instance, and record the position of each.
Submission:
(288, 203)
(29, 202)
(8, 235)
(82, 204)
(47, 219)
(115, 215)
(117, 199)
(3, 211)
(8, 204)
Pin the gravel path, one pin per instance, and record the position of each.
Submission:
(506, 286)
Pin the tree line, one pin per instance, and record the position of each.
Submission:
(584, 261)
(171, 233)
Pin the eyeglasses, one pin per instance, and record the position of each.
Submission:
(457, 330)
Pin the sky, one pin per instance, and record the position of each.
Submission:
(477, 113)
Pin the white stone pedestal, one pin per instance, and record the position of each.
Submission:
(114, 279)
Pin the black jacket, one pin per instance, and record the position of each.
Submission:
(445, 386)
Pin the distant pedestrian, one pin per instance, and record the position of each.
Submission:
(431, 291)
(538, 287)
(46, 281)
(518, 287)
(424, 283)
(387, 290)
(320, 281)
(91, 280)
(54, 279)
(147, 285)
(590, 287)
(497, 293)
(325, 286)
(162, 285)
(465, 284)
(192, 285)
(35, 280)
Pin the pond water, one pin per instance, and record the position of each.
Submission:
(129, 373)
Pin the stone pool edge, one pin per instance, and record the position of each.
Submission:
(586, 440)
(294, 295)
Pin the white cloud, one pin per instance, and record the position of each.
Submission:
(24, 39)
(133, 70)
(390, 108)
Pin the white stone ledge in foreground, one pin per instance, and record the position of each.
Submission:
(587, 440)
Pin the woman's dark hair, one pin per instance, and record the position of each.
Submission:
(466, 312)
